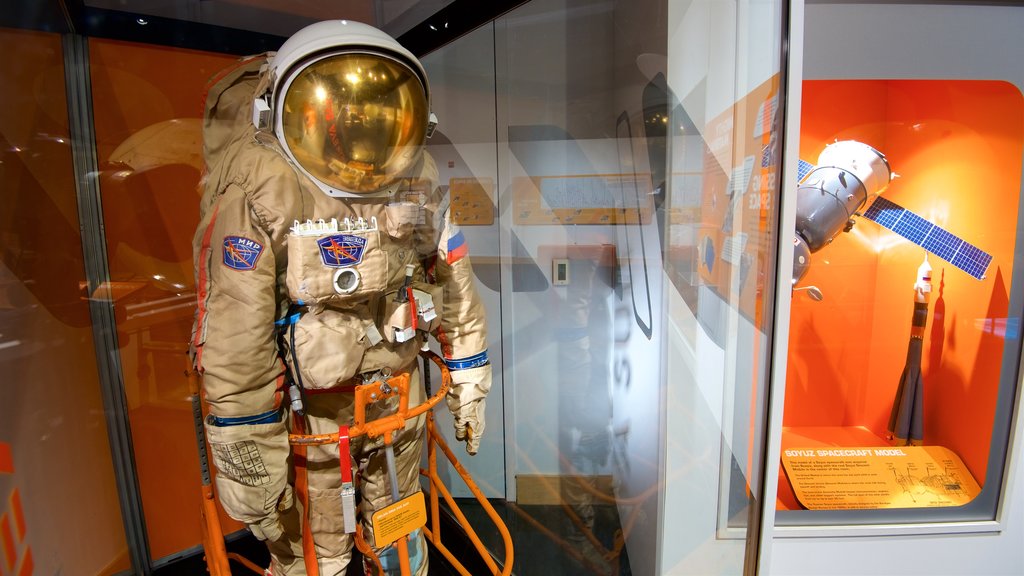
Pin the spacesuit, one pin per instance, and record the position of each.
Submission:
(324, 256)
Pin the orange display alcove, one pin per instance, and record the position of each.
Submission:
(957, 148)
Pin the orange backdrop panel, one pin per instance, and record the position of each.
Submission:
(147, 103)
(957, 147)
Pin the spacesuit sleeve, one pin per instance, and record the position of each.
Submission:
(236, 351)
(463, 337)
(235, 339)
(463, 331)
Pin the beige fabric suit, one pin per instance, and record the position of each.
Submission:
(252, 270)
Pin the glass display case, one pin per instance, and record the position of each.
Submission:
(623, 174)
(617, 170)
(851, 380)
(904, 343)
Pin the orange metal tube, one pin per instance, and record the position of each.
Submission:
(435, 519)
(246, 562)
(403, 555)
(434, 533)
(393, 422)
(491, 513)
(214, 549)
(372, 392)
(213, 536)
(366, 394)
(473, 538)
(449, 556)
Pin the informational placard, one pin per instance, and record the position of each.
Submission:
(471, 201)
(878, 477)
(399, 519)
(584, 199)
(735, 234)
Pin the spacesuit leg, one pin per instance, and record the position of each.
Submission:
(374, 485)
(324, 413)
(286, 553)
(333, 545)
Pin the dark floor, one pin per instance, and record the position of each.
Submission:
(246, 545)
(545, 539)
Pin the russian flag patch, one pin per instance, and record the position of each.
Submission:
(457, 247)
(241, 253)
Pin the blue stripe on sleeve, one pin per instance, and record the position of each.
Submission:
(474, 361)
(270, 417)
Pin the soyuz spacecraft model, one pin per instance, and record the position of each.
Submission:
(847, 176)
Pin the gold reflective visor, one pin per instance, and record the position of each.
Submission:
(355, 121)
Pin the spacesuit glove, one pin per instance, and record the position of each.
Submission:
(466, 401)
(252, 474)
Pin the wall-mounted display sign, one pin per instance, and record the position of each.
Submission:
(471, 202)
(584, 199)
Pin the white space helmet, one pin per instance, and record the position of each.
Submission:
(349, 105)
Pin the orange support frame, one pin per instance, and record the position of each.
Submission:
(217, 557)
(437, 485)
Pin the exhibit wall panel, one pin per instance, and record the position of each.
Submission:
(934, 84)
(59, 507)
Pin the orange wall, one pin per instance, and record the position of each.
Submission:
(147, 103)
(957, 147)
(56, 475)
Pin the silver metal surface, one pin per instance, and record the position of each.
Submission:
(389, 452)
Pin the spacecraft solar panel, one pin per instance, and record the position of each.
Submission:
(949, 247)
(803, 168)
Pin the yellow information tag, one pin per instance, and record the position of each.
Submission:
(399, 519)
(471, 203)
(878, 477)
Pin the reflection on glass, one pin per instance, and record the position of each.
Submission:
(149, 150)
(721, 218)
(581, 205)
(625, 427)
(583, 340)
(56, 475)
(636, 250)
(618, 438)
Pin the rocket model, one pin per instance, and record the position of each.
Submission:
(906, 422)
